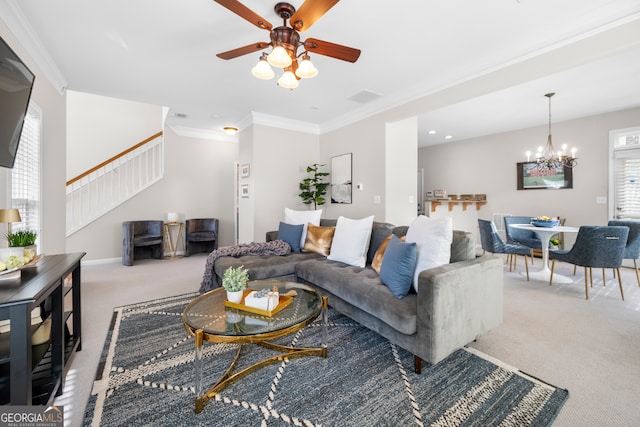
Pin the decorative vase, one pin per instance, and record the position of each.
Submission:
(235, 297)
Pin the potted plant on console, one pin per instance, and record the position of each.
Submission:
(234, 281)
(23, 240)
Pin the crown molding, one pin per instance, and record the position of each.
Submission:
(14, 18)
(284, 123)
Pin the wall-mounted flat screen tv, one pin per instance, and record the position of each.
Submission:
(16, 82)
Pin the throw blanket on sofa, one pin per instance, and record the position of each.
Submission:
(274, 247)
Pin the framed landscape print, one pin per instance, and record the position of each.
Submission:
(532, 178)
(341, 179)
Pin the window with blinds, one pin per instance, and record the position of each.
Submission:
(25, 175)
(626, 162)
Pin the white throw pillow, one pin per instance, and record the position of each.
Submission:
(302, 217)
(351, 241)
(433, 237)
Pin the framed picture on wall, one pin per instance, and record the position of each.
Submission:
(244, 171)
(341, 179)
(530, 177)
(244, 190)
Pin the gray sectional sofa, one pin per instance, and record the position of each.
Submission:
(454, 304)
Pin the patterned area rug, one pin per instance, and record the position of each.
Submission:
(146, 378)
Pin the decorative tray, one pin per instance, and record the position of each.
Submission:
(33, 263)
(284, 301)
(30, 264)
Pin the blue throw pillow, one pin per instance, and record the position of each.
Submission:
(291, 234)
(398, 264)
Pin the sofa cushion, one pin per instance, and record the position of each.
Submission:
(351, 240)
(302, 217)
(398, 264)
(433, 237)
(318, 239)
(291, 234)
(362, 288)
(263, 266)
(147, 240)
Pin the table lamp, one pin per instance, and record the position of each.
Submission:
(9, 216)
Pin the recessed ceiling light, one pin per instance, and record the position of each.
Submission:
(448, 137)
(431, 132)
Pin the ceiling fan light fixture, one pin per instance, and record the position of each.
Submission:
(262, 70)
(306, 69)
(288, 80)
(279, 57)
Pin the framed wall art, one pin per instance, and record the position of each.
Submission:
(244, 190)
(341, 179)
(530, 177)
(244, 171)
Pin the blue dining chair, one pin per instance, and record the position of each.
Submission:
(595, 247)
(516, 235)
(493, 243)
(632, 250)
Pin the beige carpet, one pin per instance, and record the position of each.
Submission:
(591, 348)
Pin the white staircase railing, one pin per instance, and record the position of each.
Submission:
(104, 187)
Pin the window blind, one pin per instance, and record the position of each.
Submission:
(627, 183)
(25, 175)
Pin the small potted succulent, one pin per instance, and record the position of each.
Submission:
(234, 281)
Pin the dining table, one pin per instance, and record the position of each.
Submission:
(545, 234)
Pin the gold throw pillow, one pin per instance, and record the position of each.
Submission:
(318, 239)
(376, 263)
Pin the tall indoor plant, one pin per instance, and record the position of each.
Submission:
(314, 188)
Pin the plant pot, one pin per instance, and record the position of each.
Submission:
(235, 297)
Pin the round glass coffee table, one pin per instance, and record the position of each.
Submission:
(207, 318)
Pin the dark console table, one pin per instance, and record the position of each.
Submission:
(18, 297)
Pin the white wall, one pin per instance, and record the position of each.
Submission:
(366, 141)
(53, 105)
(279, 160)
(99, 127)
(488, 165)
(198, 183)
(401, 166)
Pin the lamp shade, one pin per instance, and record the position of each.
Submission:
(306, 69)
(262, 70)
(288, 80)
(279, 57)
(172, 217)
(10, 215)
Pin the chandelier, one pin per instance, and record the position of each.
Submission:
(547, 157)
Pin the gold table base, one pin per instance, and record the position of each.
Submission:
(262, 340)
(228, 378)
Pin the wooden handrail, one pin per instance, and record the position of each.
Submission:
(117, 156)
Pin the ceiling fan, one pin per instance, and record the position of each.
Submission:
(285, 41)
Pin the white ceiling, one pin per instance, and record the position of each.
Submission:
(163, 52)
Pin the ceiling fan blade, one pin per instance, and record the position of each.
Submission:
(309, 12)
(331, 49)
(246, 13)
(230, 54)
